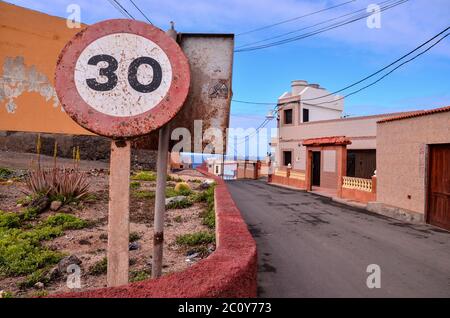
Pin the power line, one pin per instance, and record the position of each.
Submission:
(382, 69)
(293, 19)
(361, 80)
(391, 71)
(146, 18)
(121, 9)
(307, 27)
(327, 28)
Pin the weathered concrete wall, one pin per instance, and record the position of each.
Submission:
(402, 158)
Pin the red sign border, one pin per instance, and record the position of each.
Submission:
(112, 126)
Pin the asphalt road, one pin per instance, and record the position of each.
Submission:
(309, 246)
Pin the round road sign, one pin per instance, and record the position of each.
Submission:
(122, 78)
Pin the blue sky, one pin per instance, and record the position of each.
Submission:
(333, 59)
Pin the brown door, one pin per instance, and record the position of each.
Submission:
(439, 186)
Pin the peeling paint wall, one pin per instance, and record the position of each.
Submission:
(17, 79)
(30, 43)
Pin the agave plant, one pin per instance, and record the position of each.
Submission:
(66, 184)
(71, 184)
(38, 182)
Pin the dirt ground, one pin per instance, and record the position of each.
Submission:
(89, 244)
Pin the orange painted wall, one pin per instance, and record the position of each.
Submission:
(30, 43)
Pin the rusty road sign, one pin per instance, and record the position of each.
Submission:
(122, 78)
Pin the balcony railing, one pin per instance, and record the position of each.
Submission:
(357, 183)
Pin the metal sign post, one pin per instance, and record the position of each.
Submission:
(160, 195)
(122, 79)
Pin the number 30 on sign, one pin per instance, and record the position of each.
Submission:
(122, 78)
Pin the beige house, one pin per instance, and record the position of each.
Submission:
(300, 120)
(413, 167)
(398, 164)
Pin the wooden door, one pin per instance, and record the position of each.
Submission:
(438, 212)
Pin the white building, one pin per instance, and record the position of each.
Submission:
(309, 112)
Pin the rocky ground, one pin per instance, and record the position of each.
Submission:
(86, 245)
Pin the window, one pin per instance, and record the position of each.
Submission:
(305, 115)
(287, 116)
(287, 158)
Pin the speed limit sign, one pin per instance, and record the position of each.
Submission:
(122, 78)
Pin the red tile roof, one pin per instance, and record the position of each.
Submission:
(416, 114)
(323, 141)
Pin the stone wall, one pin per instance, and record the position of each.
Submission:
(91, 147)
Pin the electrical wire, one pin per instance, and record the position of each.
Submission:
(121, 9)
(294, 19)
(363, 79)
(324, 29)
(143, 14)
(388, 73)
(308, 27)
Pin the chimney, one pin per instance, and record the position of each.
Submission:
(297, 86)
(314, 86)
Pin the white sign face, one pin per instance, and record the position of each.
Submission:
(123, 74)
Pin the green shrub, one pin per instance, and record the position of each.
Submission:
(180, 204)
(197, 238)
(208, 216)
(143, 194)
(7, 294)
(21, 252)
(41, 233)
(40, 293)
(99, 268)
(174, 179)
(135, 184)
(144, 176)
(5, 173)
(170, 192)
(33, 278)
(137, 276)
(9, 220)
(30, 213)
(66, 221)
(182, 188)
(134, 236)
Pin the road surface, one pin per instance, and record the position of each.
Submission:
(310, 246)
